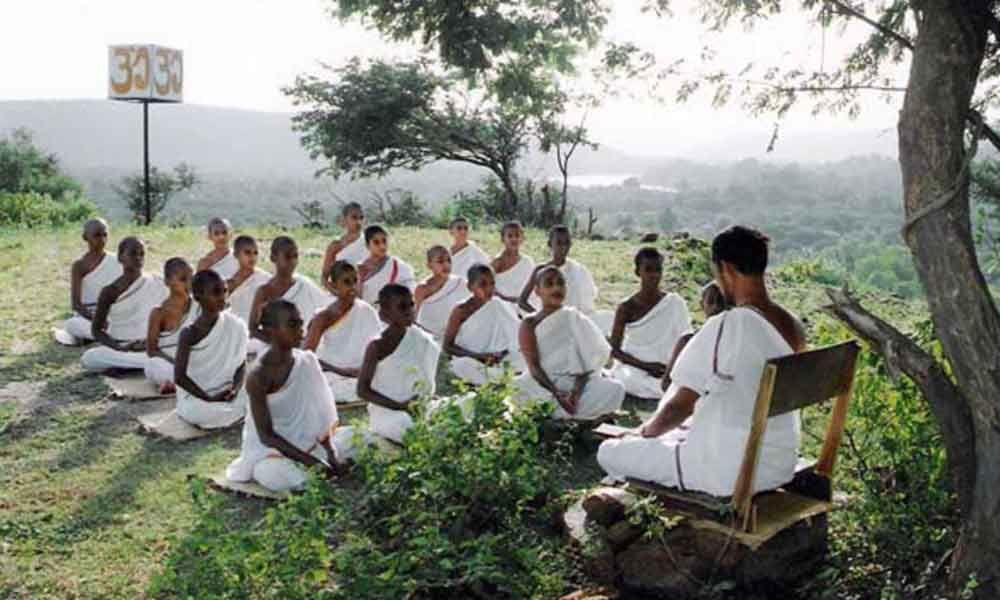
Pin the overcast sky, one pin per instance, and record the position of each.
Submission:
(239, 53)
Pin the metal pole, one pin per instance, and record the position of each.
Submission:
(145, 160)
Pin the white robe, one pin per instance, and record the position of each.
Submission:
(569, 344)
(213, 363)
(466, 257)
(343, 345)
(241, 298)
(394, 270)
(76, 329)
(410, 369)
(436, 309)
(304, 413)
(227, 266)
(161, 371)
(492, 328)
(355, 253)
(512, 281)
(652, 339)
(128, 320)
(709, 459)
(307, 296)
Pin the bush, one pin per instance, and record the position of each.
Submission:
(38, 210)
(457, 514)
(24, 167)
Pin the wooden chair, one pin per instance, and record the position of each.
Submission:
(788, 383)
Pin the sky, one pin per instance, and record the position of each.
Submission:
(239, 53)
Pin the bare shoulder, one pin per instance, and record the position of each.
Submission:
(788, 325)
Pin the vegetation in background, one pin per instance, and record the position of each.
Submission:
(162, 186)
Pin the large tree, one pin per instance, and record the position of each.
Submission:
(952, 49)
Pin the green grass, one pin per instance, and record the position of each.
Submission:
(88, 506)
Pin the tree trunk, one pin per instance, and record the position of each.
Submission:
(511, 201)
(564, 169)
(948, 53)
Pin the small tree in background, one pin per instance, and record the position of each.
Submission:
(162, 185)
(26, 168)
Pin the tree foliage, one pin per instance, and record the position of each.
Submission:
(162, 185)
(26, 168)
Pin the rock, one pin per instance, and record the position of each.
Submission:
(589, 545)
(649, 238)
(621, 534)
(607, 505)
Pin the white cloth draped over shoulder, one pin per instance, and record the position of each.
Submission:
(303, 413)
(307, 296)
(436, 309)
(227, 266)
(466, 257)
(343, 345)
(570, 344)
(723, 363)
(652, 339)
(212, 365)
(355, 253)
(77, 328)
(511, 282)
(492, 328)
(394, 270)
(410, 370)
(128, 321)
(241, 298)
(581, 291)
(158, 370)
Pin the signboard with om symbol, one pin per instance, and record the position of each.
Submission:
(145, 72)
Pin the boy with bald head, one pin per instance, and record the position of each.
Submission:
(220, 259)
(88, 276)
(121, 318)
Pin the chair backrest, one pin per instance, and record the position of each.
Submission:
(789, 383)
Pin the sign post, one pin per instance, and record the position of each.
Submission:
(145, 73)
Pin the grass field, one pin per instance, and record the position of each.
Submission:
(89, 507)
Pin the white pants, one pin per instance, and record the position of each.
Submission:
(281, 474)
(648, 459)
(158, 370)
(604, 319)
(77, 330)
(472, 371)
(209, 415)
(638, 382)
(345, 389)
(600, 396)
(388, 423)
(257, 347)
(103, 358)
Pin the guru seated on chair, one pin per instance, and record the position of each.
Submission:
(714, 387)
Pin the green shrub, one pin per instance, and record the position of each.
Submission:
(458, 513)
(31, 209)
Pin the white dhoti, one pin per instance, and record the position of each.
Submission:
(708, 456)
(436, 309)
(226, 267)
(212, 366)
(158, 369)
(77, 329)
(307, 296)
(355, 253)
(492, 328)
(652, 338)
(467, 257)
(581, 293)
(303, 413)
(410, 370)
(394, 270)
(241, 298)
(511, 282)
(343, 346)
(128, 319)
(569, 343)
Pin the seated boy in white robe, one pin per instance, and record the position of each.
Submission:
(464, 253)
(89, 275)
(121, 318)
(293, 422)
(349, 247)
(713, 302)
(647, 328)
(513, 269)
(399, 366)
(715, 383)
(581, 292)
(242, 287)
(437, 295)
(166, 321)
(381, 268)
(481, 336)
(211, 359)
(285, 285)
(565, 352)
(340, 333)
(220, 259)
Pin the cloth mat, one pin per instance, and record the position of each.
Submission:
(167, 424)
(134, 387)
(247, 489)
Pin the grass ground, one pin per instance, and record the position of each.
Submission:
(89, 507)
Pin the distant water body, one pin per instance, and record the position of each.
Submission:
(612, 179)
